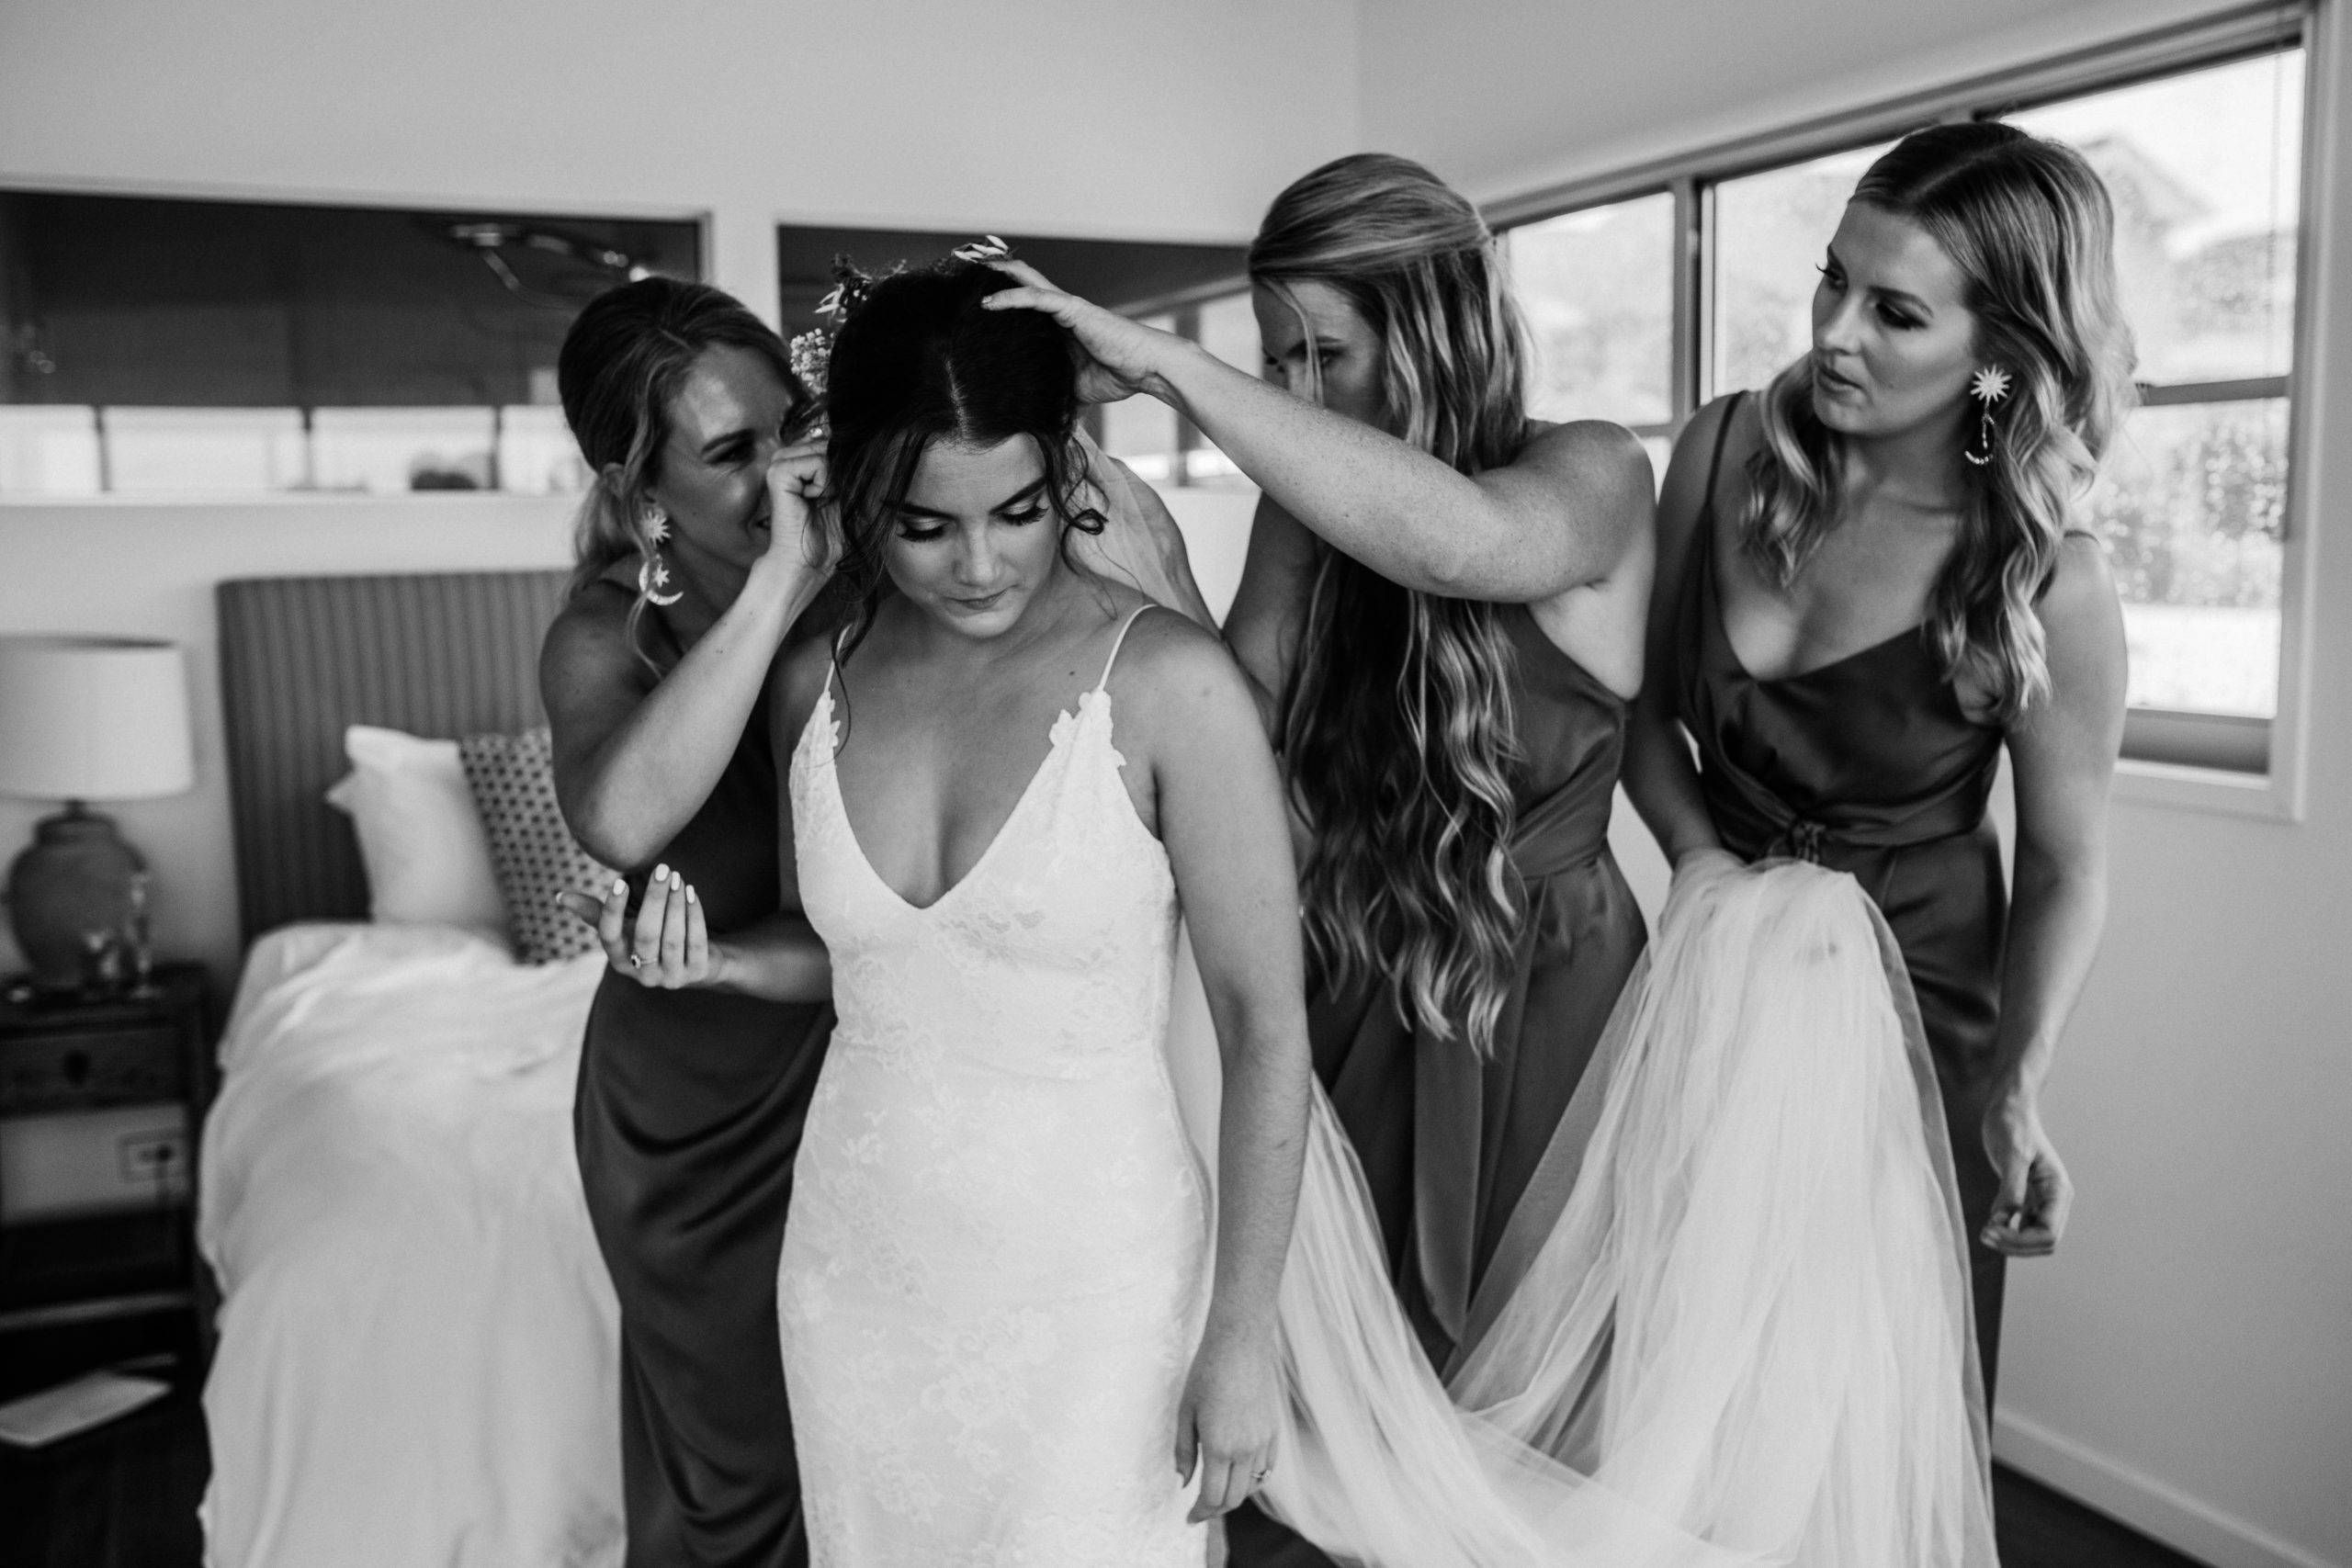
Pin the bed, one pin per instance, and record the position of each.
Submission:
(417, 1356)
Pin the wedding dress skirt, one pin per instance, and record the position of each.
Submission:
(1744, 1340)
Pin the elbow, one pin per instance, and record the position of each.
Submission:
(2073, 885)
(1449, 569)
(607, 835)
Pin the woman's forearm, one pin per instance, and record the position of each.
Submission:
(632, 792)
(2055, 918)
(1662, 782)
(1403, 513)
(1262, 1140)
(780, 959)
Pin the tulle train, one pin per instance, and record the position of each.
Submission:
(1746, 1338)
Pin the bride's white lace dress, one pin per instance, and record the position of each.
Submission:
(994, 1269)
(1743, 1341)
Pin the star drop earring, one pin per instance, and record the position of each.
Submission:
(653, 575)
(1990, 385)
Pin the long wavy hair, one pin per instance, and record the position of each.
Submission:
(916, 360)
(622, 364)
(2031, 230)
(1397, 730)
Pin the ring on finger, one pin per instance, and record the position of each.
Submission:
(635, 960)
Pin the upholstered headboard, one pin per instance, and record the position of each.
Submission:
(303, 656)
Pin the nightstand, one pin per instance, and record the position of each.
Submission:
(100, 1102)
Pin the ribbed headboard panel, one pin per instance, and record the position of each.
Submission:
(303, 656)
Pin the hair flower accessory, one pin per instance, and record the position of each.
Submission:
(986, 248)
(812, 355)
(812, 351)
(1991, 385)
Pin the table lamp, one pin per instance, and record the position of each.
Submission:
(85, 718)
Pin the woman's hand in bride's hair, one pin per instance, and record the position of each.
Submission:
(1119, 357)
(669, 948)
(803, 532)
(1225, 1425)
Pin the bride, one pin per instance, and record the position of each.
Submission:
(1004, 1338)
(1042, 1298)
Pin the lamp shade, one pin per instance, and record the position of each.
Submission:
(93, 718)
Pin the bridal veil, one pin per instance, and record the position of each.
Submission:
(1744, 1338)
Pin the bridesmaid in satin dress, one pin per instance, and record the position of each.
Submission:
(1868, 590)
(696, 559)
(1443, 608)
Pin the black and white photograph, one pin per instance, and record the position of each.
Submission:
(1176, 784)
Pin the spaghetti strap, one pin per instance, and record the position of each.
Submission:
(1715, 462)
(1103, 685)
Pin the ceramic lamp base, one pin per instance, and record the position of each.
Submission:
(76, 877)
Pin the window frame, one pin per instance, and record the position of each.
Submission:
(2217, 761)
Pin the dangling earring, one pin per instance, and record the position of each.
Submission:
(1990, 385)
(653, 575)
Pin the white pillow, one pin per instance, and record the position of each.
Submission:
(421, 837)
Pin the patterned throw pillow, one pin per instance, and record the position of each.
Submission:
(513, 778)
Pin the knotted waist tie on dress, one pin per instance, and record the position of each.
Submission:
(1563, 832)
(1757, 824)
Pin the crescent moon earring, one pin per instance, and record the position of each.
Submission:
(1990, 385)
(653, 573)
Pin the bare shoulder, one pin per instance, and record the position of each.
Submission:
(1583, 453)
(1168, 665)
(595, 613)
(2082, 585)
(801, 672)
(588, 647)
(2082, 614)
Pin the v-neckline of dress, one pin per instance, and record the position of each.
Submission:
(1065, 724)
(1731, 650)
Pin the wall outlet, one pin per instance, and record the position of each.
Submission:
(151, 1157)
(68, 1163)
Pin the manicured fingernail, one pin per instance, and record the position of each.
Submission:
(690, 896)
(660, 871)
(620, 887)
(676, 882)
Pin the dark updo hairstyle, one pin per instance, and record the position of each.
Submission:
(917, 359)
(622, 365)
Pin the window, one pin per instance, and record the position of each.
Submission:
(2205, 168)
(1148, 435)
(1652, 292)
(1596, 286)
(206, 348)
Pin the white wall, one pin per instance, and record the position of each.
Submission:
(2186, 1362)
(1114, 119)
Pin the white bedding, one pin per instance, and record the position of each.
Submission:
(418, 1351)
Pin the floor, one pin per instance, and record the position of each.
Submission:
(125, 1497)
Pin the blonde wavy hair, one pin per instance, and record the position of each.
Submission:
(1397, 730)
(2031, 230)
